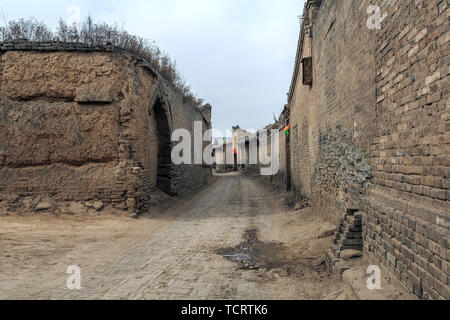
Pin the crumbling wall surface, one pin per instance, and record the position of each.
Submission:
(61, 75)
(79, 123)
(407, 211)
(57, 129)
(342, 174)
(138, 140)
(344, 120)
(378, 133)
(332, 121)
(187, 177)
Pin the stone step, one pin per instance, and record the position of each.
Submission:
(330, 257)
(335, 249)
(340, 267)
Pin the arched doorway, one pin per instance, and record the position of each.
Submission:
(164, 176)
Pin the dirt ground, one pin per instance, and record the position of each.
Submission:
(233, 240)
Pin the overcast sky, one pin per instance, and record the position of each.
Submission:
(238, 55)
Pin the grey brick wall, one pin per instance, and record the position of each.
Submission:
(373, 129)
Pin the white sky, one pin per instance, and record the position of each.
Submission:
(238, 55)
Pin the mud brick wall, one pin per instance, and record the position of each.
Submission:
(371, 134)
(51, 143)
(78, 123)
(187, 176)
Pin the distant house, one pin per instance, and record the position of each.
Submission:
(232, 153)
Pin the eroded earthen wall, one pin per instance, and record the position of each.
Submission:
(187, 176)
(78, 123)
(50, 142)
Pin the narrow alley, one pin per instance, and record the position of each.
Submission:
(177, 254)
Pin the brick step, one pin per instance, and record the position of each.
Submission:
(340, 247)
(353, 221)
(353, 235)
(347, 235)
(351, 228)
(356, 214)
(350, 242)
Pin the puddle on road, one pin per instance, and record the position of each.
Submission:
(253, 254)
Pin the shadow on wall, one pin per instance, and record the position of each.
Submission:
(164, 179)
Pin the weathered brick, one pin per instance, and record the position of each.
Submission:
(399, 130)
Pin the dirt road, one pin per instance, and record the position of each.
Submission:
(233, 240)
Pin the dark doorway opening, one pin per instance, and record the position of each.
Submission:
(164, 179)
(288, 163)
